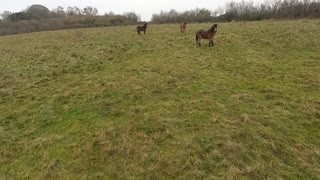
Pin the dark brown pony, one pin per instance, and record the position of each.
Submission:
(142, 28)
(209, 34)
(183, 27)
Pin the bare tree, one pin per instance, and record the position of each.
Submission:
(90, 11)
(73, 11)
(59, 11)
(5, 15)
(132, 16)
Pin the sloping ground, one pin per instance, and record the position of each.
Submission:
(107, 103)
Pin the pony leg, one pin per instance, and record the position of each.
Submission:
(210, 42)
(198, 40)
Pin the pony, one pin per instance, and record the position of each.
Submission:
(209, 34)
(142, 28)
(183, 27)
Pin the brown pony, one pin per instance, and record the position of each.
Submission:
(142, 28)
(183, 27)
(209, 34)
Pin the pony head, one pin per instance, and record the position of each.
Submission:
(214, 28)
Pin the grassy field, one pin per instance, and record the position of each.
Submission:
(107, 103)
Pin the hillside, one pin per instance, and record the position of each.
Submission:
(108, 103)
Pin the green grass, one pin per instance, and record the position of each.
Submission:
(108, 103)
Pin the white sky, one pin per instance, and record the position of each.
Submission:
(145, 8)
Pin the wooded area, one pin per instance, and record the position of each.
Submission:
(245, 10)
(40, 18)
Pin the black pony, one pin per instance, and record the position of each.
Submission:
(142, 28)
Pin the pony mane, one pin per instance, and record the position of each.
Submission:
(212, 29)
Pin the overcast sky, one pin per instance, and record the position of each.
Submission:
(145, 8)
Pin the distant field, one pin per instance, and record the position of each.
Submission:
(108, 103)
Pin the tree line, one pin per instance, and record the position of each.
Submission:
(190, 16)
(244, 10)
(276, 9)
(40, 18)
